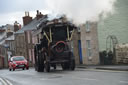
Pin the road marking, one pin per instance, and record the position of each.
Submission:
(124, 82)
(9, 82)
(44, 79)
(5, 81)
(90, 79)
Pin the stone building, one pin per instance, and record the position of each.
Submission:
(88, 44)
(7, 47)
(6, 40)
(75, 46)
(2, 55)
(23, 37)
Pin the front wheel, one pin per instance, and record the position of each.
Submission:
(27, 68)
(72, 65)
(47, 66)
(65, 66)
(13, 69)
(54, 67)
(10, 69)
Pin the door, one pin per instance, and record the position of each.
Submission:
(80, 51)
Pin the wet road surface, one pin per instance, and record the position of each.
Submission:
(58, 77)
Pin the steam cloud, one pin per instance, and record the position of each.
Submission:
(80, 11)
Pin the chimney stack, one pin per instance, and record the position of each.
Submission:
(39, 15)
(26, 19)
(16, 26)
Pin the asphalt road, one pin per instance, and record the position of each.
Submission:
(58, 77)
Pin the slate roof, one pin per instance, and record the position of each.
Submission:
(32, 25)
(10, 38)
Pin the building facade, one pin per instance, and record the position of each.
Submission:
(23, 37)
(2, 56)
(88, 44)
(6, 44)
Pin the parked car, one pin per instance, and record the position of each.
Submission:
(17, 62)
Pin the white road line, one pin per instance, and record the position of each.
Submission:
(91, 79)
(124, 82)
(3, 81)
(8, 82)
(44, 79)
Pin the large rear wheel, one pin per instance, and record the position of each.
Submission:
(72, 64)
(72, 61)
(47, 66)
(65, 66)
(40, 64)
(39, 60)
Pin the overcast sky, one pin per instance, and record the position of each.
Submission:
(78, 11)
(11, 10)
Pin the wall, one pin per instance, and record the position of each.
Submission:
(76, 37)
(91, 35)
(122, 54)
(20, 45)
(3, 57)
(29, 47)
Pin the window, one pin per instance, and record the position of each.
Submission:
(19, 58)
(88, 44)
(87, 26)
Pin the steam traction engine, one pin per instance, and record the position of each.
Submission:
(55, 46)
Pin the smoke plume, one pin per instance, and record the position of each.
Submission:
(80, 11)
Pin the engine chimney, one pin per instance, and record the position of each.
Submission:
(39, 15)
(26, 19)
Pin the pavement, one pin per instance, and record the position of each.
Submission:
(105, 67)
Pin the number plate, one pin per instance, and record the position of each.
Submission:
(21, 66)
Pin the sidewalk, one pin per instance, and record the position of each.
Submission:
(105, 67)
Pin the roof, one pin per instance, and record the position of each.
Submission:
(31, 26)
(10, 38)
(2, 42)
(3, 35)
